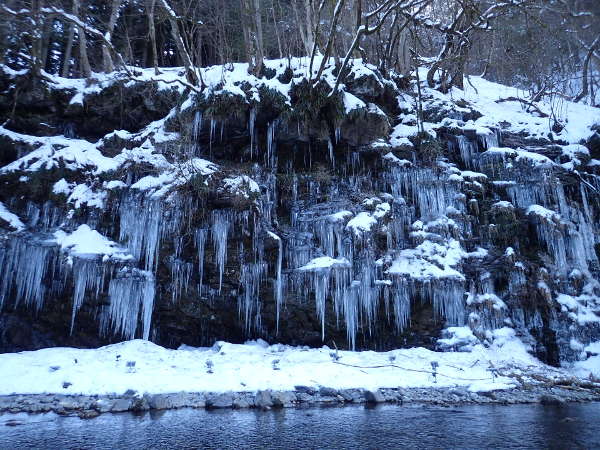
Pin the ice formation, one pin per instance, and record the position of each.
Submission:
(359, 232)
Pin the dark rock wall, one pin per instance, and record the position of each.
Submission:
(306, 170)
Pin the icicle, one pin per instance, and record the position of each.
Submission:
(553, 239)
(197, 126)
(251, 278)
(251, 125)
(368, 295)
(516, 278)
(350, 300)
(131, 293)
(432, 193)
(46, 218)
(401, 305)
(25, 263)
(321, 287)
(181, 273)
(140, 227)
(489, 140)
(88, 274)
(331, 155)
(200, 239)
(278, 282)
(213, 126)
(447, 298)
(467, 149)
(219, 230)
(271, 143)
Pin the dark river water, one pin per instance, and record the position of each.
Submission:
(473, 427)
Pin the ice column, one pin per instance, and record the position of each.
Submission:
(131, 292)
(219, 231)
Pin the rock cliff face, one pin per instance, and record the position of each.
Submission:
(269, 207)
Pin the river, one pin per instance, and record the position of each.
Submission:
(388, 426)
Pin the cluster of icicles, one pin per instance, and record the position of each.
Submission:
(355, 289)
(28, 261)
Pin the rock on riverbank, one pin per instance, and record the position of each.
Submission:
(89, 406)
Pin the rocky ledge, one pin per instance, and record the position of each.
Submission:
(89, 406)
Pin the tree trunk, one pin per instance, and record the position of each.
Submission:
(69, 47)
(46, 43)
(276, 30)
(301, 29)
(84, 62)
(310, 26)
(192, 76)
(107, 62)
(152, 32)
(585, 71)
(37, 37)
(260, 56)
(249, 42)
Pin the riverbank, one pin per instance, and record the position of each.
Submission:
(139, 375)
(86, 406)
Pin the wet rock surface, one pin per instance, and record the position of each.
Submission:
(90, 406)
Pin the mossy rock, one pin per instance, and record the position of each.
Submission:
(363, 126)
(272, 104)
(313, 104)
(222, 105)
(428, 148)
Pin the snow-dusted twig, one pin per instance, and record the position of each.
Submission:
(410, 370)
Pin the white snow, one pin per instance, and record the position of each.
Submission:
(583, 309)
(339, 216)
(11, 218)
(429, 260)
(114, 184)
(543, 213)
(85, 241)
(519, 156)
(176, 175)
(470, 175)
(503, 204)
(458, 337)
(241, 185)
(51, 151)
(61, 187)
(590, 366)
(82, 194)
(361, 223)
(324, 262)
(394, 159)
(352, 103)
(249, 367)
(577, 118)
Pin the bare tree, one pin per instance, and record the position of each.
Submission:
(36, 40)
(194, 77)
(69, 46)
(150, 5)
(371, 22)
(107, 62)
(253, 34)
(84, 62)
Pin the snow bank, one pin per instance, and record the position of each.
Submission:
(149, 368)
(576, 118)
